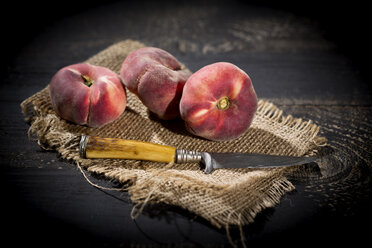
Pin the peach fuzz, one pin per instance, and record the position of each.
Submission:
(157, 78)
(218, 102)
(87, 95)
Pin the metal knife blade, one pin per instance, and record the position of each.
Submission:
(248, 160)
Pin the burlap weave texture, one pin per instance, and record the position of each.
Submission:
(225, 197)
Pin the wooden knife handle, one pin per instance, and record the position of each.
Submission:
(97, 147)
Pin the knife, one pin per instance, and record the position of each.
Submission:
(114, 148)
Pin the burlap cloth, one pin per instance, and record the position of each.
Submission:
(225, 197)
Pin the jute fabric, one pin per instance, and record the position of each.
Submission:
(225, 197)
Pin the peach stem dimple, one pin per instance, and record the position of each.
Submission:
(87, 80)
(223, 103)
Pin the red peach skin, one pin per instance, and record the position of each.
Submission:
(157, 78)
(218, 102)
(87, 95)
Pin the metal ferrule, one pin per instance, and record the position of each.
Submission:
(83, 145)
(184, 156)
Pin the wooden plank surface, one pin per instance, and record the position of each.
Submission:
(292, 61)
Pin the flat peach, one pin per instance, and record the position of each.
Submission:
(157, 78)
(218, 102)
(87, 95)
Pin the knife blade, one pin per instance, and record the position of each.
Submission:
(250, 160)
(98, 147)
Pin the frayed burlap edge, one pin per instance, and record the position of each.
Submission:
(227, 197)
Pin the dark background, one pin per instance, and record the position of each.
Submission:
(343, 22)
(46, 201)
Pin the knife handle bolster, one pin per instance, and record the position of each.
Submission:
(184, 156)
(97, 147)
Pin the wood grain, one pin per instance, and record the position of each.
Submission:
(100, 147)
(344, 182)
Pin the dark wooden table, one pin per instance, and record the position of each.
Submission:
(307, 58)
